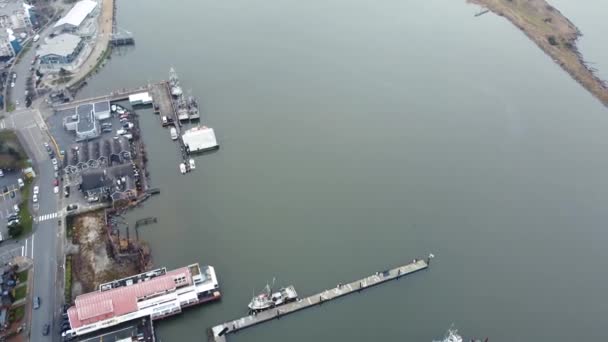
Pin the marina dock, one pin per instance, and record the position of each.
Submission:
(218, 333)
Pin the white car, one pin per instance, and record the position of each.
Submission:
(55, 167)
(12, 84)
(36, 190)
(54, 161)
(35, 198)
(56, 189)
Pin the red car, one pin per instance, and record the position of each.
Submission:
(55, 182)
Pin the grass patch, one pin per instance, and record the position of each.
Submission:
(22, 276)
(10, 107)
(20, 292)
(12, 154)
(25, 216)
(16, 314)
(68, 279)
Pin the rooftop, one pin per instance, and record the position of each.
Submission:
(78, 13)
(86, 118)
(200, 139)
(60, 45)
(97, 306)
(102, 106)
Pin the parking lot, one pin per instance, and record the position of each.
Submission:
(109, 151)
(9, 196)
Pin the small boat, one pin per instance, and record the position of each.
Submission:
(267, 299)
(113, 108)
(182, 168)
(120, 110)
(192, 165)
(173, 133)
(451, 336)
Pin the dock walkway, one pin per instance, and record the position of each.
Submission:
(218, 333)
(117, 95)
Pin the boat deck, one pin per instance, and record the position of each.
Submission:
(218, 333)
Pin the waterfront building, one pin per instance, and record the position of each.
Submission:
(16, 15)
(155, 294)
(73, 20)
(60, 50)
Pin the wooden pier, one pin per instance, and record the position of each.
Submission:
(218, 333)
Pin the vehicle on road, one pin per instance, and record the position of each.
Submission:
(46, 329)
(35, 198)
(20, 182)
(71, 207)
(62, 152)
(54, 161)
(36, 37)
(36, 190)
(36, 303)
(14, 75)
(12, 84)
(56, 189)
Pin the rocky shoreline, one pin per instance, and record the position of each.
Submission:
(554, 34)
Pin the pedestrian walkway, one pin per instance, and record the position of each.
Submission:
(47, 217)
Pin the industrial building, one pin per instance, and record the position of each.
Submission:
(84, 119)
(76, 16)
(61, 50)
(155, 294)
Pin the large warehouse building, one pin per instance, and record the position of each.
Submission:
(76, 16)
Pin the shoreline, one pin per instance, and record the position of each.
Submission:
(553, 33)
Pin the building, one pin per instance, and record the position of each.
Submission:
(60, 50)
(140, 99)
(76, 16)
(16, 15)
(6, 48)
(84, 119)
(200, 139)
(156, 294)
(95, 183)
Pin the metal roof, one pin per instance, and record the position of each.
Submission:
(199, 139)
(60, 45)
(96, 306)
(77, 14)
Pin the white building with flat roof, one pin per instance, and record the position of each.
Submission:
(76, 16)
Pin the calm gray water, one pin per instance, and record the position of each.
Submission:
(357, 135)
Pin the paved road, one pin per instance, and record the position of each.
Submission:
(43, 244)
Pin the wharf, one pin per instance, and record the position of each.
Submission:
(117, 95)
(218, 333)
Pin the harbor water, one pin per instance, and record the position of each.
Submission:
(358, 135)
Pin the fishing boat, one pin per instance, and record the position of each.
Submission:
(173, 133)
(192, 164)
(182, 168)
(268, 299)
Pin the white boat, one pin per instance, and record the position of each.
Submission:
(120, 110)
(453, 336)
(182, 168)
(192, 165)
(113, 108)
(173, 133)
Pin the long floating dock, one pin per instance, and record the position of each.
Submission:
(219, 332)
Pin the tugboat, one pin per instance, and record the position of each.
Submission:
(267, 299)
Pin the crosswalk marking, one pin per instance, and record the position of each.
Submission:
(47, 216)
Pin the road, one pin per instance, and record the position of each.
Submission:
(46, 238)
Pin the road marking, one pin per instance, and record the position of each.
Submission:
(23, 250)
(33, 236)
(47, 216)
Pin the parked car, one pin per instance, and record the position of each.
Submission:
(1, 173)
(107, 130)
(12, 216)
(54, 161)
(55, 167)
(13, 223)
(12, 84)
(66, 191)
(71, 207)
(12, 194)
(46, 329)
(35, 198)
(16, 208)
(121, 131)
(5, 189)
(56, 190)
(20, 182)
(36, 190)
(106, 125)
(55, 182)
(36, 303)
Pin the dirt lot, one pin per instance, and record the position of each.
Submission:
(93, 262)
(554, 34)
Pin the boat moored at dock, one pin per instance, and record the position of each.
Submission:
(268, 299)
(173, 132)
